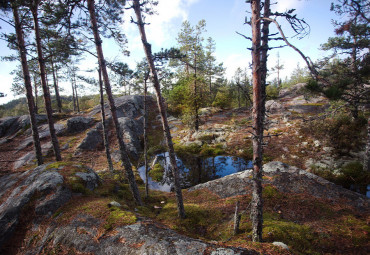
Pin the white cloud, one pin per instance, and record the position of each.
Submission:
(162, 29)
(284, 5)
(233, 61)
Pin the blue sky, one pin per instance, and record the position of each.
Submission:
(223, 18)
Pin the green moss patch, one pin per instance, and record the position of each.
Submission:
(157, 172)
(98, 208)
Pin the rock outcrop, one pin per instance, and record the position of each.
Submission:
(41, 190)
(79, 124)
(11, 125)
(93, 139)
(286, 179)
(139, 238)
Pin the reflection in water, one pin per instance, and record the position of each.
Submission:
(195, 170)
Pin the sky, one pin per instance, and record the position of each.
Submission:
(224, 18)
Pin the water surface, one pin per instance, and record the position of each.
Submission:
(195, 170)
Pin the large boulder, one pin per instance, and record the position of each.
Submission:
(288, 179)
(43, 190)
(11, 125)
(131, 106)
(132, 131)
(79, 124)
(293, 91)
(273, 106)
(93, 139)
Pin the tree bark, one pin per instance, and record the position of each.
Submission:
(77, 102)
(56, 89)
(196, 101)
(264, 55)
(146, 138)
(28, 85)
(237, 217)
(123, 152)
(162, 109)
(104, 123)
(48, 108)
(73, 92)
(35, 88)
(257, 203)
(367, 153)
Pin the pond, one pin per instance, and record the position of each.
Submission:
(195, 170)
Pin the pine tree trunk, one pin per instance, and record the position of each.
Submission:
(77, 101)
(367, 153)
(35, 88)
(48, 108)
(104, 123)
(196, 101)
(73, 94)
(56, 89)
(257, 203)
(264, 55)
(28, 85)
(162, 109)
(146, 139)
(124, 157)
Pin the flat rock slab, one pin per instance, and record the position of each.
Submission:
(140, 238)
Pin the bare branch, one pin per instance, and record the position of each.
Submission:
(308, 61)
(246, 37)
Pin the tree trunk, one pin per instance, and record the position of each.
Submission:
(56, 89)
(35, 88)
(77, 102)
(237, 218)
(104, 123)
(256, 205)
(73, 94)
(124, 157)
(146, 139)
(28, 85)
(264, 49)
(367, 153)
(162, 109)
(48, 108)
(196, 101)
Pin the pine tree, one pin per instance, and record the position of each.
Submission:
(162, 109)
(34, 8)
(123, 152)
(26, 78)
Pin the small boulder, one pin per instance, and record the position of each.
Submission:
(92, 140)
(282, 245)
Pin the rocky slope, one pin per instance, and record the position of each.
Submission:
(77, 206)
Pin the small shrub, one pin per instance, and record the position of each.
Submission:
(353, 176)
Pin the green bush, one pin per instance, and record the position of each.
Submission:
(342, 132)
(223, 98)
(352, 175)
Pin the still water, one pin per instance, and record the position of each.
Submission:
(195, 170)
